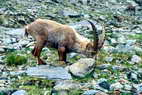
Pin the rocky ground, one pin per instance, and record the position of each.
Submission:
(117, 71)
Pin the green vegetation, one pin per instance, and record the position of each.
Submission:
(14, 59)
(34, 86)
(136, 36)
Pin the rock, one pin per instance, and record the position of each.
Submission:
(130, 42)
(121, 39)
(83, 67)
(140, 73)
(94, 92)
(66, 85)
(17, 73)
(84, 2)
(119, 67)
(50, 72)
(104, 84)
(23, 42)
(116, 86)
(2, 50)
(4, 82)
(121, 48)
(108, 48)
(139, 89)
(113, 41)
(139, 2)
(136, 59)
(72, 1)
(137, 30)
(90, 92)
(6, 91)
(20, 92)
(7, 41)
(16, 32)
(72, 55)
(109, 59)
(70, 13)
(104, 66)
(133, 76)
(127, 87)
(95, 75)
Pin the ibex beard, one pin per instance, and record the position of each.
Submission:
(62, 37)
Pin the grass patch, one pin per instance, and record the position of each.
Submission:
(75, 92)
(14, 59)
(34, 86)
(136, 36)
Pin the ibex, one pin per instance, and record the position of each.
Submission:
(62, 37)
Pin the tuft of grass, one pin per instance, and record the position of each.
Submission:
(138, 37)
(33, 85)
(14, 59)
(75, 92)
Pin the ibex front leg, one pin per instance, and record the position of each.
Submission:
(62, 55)
(37, 51)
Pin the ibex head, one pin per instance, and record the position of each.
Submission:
(97, 43)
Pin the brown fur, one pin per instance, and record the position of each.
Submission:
(62, 37)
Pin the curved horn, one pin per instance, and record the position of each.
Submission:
(26, 31)
(96, 38)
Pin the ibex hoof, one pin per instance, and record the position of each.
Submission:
(62, 63)
(41, 62)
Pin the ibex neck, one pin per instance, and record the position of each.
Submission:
(81, 43)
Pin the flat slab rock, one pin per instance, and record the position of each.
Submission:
(49, 72)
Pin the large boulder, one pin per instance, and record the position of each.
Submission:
(49, 72)
(83, 67)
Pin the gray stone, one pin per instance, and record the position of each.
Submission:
(116, 86)
(70, 13)
(109, 59)
(104, 84)
(7, 41)
(133, 76)
(139, 89)
(50, 72)
(95, 75)
(66, 85)
(127, 87)
(2, 50)
(20, 92)
(121, 39)
(90, 92)
(113, 41)
(104, 66)
(94, 92)
(120, 48)
(23, 42)
(136, 59)
(119, 67)
(71, 55)
(4, 82)
(83, 67)
(139, 2)
(17, 73)
(140, 73)
(108, 48)
(130, 42)
(18, 32)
